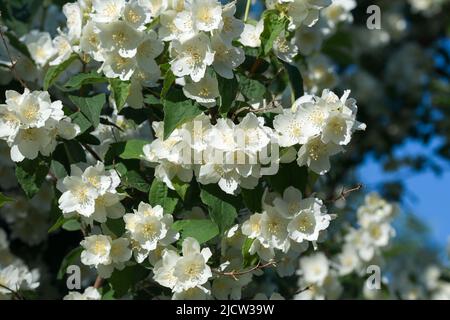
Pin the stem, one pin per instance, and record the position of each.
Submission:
(247, 9)
(15, 293)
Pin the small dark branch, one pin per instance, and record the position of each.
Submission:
(15, 293)
(13, 61)
(303, 289)
(91, 151)
(345, 193)
(235, 274)
(98, 282)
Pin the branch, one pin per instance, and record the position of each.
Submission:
(13, 62)
(98, 282)
(235, 274)
(15, 293)
(92, 152)
(345, 193)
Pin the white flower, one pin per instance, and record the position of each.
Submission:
(226, 57)
(206, 14)
(250, 35)
(339, 11)
(304, 12)
(197, 293)
(348, 260)
(74, 23)
(191, 269)
(316, 155)
(63, 50)
(285, 49)
(97, 249)
(191, 57)
(136, 14)
(204, 91)
(116, 66)
(90, 293)
(149, 226)
(91, 190)
(181, 273)
(292, 127)
(90, 41)
(40, 46)
(106, 11)
(309, 221)
(120, 37)
(314, 268)
(231, 27)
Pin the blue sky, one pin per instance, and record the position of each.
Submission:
(427, 194)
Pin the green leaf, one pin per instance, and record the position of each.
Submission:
(252, 198)
(133, 149)
(296, 80)
(181, 188)
(120, 90)
(122, 281)
(81, 121)
(222, 208)
(132, 179)
(248, 259)
(70, 259)
(162, 195)
(71, 225)
(81, 79)
(228, 89)
(289, 174)
(54, 72)
(251, 89)
(75, 152)
(200, 229)
(116, 226)
(31, 174)
(4, 199)
(169, 79)
(178, 110)
(90, 107)
(58, 224)
(274, 24)
(18, 45)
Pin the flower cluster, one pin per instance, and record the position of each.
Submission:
(31, 122)
(91, 194)
(186, 272)
(287, 222)
(149, 229)
(105, 253)
(238, 155)
(15, 275)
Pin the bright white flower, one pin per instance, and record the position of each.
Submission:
(197, 293)
(348, 260)
(191, 57)
(191, 269)
(231, 27)
(91, 190)
(226, 57)
(120, 37)
(316, 155)
(90, 41)
(304, 12)
(206, 14)
(74, 15)
(40, 46)
(116, 66)
(339, 11)
(310, 220)
(292, 127)
(136, 14)
(285, 49)
(314, 268)
(97, 249)
(90, 293)
(63, 50)
(204, 91)
(250, 36)
(181, 273)
(149, 226)
(106, 11)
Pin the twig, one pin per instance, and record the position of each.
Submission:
(98, 282)
(13, 62)
(91, 151)
(15, 293)
(235, 274)
(345, 192)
